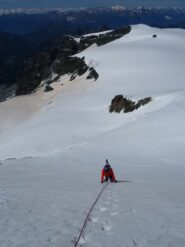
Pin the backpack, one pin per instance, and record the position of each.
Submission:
(107, 168)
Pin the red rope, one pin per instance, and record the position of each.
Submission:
(87, 217)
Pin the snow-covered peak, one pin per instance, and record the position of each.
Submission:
(118, 7)
(136, 65)
(33, 11)
(85, 9)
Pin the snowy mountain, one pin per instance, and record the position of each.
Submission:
(24, 21)
(36, 28)
(53, 146)
(31, 11)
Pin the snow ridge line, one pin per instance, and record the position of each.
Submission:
(87, 217)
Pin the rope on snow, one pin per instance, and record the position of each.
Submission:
(87, 217)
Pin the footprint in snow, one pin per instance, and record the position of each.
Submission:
(103, 209)
(116, 200)
(3, 198)
(106, 226)
(114, 213)
(82, 241)
(2, 202)
(93, 219)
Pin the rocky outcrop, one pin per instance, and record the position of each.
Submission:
(7, 92)
(48, 88)
(93, 74)
(120, 103)
(32, 72)
(70, 65)
(13, 50)
(43, 67)
(103, 39)
(60, 60)
(40, 67)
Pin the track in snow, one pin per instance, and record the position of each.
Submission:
(124, 218)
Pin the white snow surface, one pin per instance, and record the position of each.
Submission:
(54, 145)
(97, 33)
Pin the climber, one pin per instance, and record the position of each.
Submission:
(108, 173)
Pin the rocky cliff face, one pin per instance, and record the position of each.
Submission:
(60, 60)
(13, 50)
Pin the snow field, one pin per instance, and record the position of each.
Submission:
(133, 214)
(59, 150)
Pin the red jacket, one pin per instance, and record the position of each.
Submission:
(109, 173)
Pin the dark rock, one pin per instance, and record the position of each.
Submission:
(103, 39)
(60, 60)
(7, 92)
(93, 74)
(32, 72)
(120, 103)
(145, 101)
(70, 65)
(40, 66)
(154, 36)
(48, 88)
(116, 104)
(13, 50)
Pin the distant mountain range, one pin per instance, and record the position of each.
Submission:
(23, 32)
(26, 21)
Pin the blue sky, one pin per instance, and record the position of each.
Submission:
(87, 3)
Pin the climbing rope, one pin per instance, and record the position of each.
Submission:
(87, 217)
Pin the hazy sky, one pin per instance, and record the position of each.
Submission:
(87, 3)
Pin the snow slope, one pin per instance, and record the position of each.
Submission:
(51, 160)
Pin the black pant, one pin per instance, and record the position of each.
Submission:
(108, 177)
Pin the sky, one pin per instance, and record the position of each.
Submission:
(87, 3)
